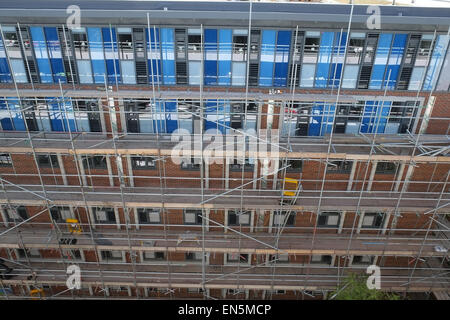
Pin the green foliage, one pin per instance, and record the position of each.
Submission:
(354, 287)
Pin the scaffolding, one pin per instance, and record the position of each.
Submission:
(252, 264)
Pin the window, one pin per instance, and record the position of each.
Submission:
(373, 220)
(186, 165)
(48, 161)
(311, 49)
(94, 162)
(16, 214)
(192, 216)
(104, 215)
(148, 216)
(143, 163)
(237, 165)
(240, 47)
(339, 166)
(193, 256)
(30, 253)
(153, 255)
(76, 255)
(354, 51)
(81, 46)
(5, 160)
(321, 259)
(125, 47)
(113, 255)
(362, 260)
(235, 257)
(195, 290)
(60, 214)
(386, 167)
(329, 219)
(278, 258)
(280, 216)
(292, 165)
(236, 217)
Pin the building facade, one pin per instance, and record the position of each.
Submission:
(222, 150)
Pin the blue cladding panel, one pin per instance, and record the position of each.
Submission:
(168, 56)
(111, 55)
(97, 56)
(5, 116)
(267, 58)
(159, 123)
(282, 58)
(211, 112)
(210, 57)
(315, 120)
(16, 114)
(381, 59)
(225, 44)
(328, 119)
(171, 116)
(40, 52)
(54, 50)
(436, 62)
(338, 58)
(154, 56)
(61, 115)
(323, 64)
(395, 59)
(18, 68)
(375, 116)
(5, 74)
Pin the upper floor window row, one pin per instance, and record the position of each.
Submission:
(320, 118)
(171, 56)
(50, 115)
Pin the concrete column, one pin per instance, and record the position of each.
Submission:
(225, 220)
(110, 173)
(61, 167)
(91, 216)
(102, 115)
(361, 218)
(227, 173)
(136, 218)
(130, 171)
(82, 172)
(341, 222)
(252, 219)
(372, 175)
(399, 176)
(116, 214)
(352, 175)
(206, 166)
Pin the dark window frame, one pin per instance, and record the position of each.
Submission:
(50, 161)
(386, 168)
(339, 166)
(147, 160)
(5, 160)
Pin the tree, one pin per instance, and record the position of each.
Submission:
(354, 287)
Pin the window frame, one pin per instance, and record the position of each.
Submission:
(327, 214)
(52, 161)
(5, 160)
(374, 225)
(292, 215)
(343, 166)
(135, 159)
(198, 216)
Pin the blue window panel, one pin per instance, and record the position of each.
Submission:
(307, 75)
(5, 74)
(335, 74)
(168, 55)
(159, 123)
(17, 117)
(18, 69)
(97, 55)
(436, 60)
(324, 60)
(315, 120)
(111, 55)
(5, 116)
(40, 52)
(340, 42)
(267, 58)
(444, 79)
(225, 47)
(128, 72)
(154, 56)
(54, 51)
(84, 71)
(238, 73)
(171, 116)
(194, 72)
(282, 58)
(61, 115)
(212, 115)
(395, 59)
(350, 77)
(327, 119)
(375, 116)
(210, 62)
(381, 59)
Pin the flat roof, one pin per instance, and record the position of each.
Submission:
(227, 13)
